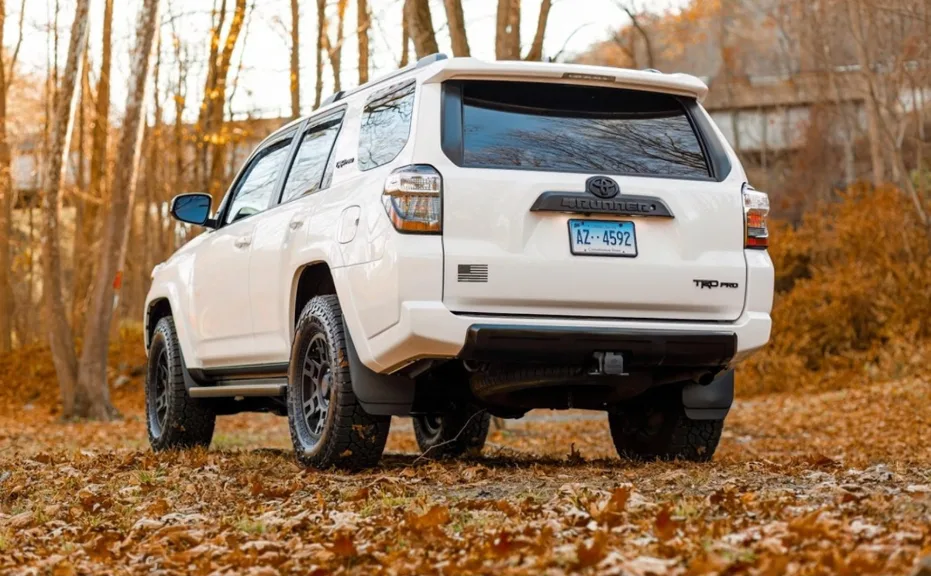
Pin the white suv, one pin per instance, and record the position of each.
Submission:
(463, 239)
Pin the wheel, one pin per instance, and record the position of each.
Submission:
(328, 426)
(452, 434)
(173, 419)
(656, 427)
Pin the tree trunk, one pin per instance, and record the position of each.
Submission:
(872, 109)
(420, 27)
(405, 43)
(536, 48)
(60, 336)
(457, 31)
(321, 34)
(92, 381)
(6, 210)
(363, 24)
(507, 35)
(87, 234)
(295, 59)
(7, 191)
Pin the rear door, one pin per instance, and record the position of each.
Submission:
(571, 200)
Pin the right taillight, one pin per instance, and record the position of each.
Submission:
(413, 199)
(756, 210)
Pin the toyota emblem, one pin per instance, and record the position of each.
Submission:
(602, 187)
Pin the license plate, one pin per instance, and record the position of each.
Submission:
(602, 238)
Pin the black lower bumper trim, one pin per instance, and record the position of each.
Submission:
(640, 348)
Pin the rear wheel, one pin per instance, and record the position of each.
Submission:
(655, 426)
(453, 433)
(328, 426)
(173, 419)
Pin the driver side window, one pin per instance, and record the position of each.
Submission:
(257, 186)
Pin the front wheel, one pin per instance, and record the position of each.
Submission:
(656, 427)
(173, 419)
(328, 425)
(454, 433)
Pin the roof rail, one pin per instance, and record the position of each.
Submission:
(425, 61)
(332, 98)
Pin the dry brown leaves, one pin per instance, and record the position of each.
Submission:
(831, 483)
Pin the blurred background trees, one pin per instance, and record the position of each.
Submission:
(814, 96)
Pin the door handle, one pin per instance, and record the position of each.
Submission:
(242, 241)
(295, 224)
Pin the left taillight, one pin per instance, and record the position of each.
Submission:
(756, 212)
(413, 198)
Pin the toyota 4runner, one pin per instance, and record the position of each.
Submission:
(462, 239)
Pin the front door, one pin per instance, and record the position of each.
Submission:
(223, 317)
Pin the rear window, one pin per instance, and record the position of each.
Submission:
(565, 128)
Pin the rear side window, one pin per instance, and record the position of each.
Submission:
(566, 128)
(306, 175)
(386, 125)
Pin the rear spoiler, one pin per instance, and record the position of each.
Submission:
(472, 68)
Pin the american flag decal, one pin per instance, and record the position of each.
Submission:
(473, 272)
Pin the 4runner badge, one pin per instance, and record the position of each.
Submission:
(702, 284)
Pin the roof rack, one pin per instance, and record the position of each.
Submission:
(425, 61)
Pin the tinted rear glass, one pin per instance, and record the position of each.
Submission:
(565, 128)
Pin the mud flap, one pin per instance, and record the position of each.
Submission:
(379, 394)
(710, 402)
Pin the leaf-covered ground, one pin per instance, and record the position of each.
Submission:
(830, 483)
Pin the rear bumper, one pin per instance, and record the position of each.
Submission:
(429, 329)
(575, 344)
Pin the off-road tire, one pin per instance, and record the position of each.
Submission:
(453, 434)
(656, 427)
(173, 419)
(349, 437)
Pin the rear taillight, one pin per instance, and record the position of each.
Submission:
(413, 199)
(756, 210)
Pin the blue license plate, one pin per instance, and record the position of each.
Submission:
(602, 238)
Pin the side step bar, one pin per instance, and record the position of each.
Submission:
(269, 387)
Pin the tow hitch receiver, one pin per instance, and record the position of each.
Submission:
(611, 363)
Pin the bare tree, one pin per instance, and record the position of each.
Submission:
(88, 228)
(420, 27)
(60, 336)
(295, 59)
(536, 47)
(872, 110)
(457, 30)
(364, 22)
(7, 192)
(335, 49)
(93, 391)
(634, 16)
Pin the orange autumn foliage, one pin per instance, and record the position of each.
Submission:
(853, 301)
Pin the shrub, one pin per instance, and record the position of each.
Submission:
(853, 300)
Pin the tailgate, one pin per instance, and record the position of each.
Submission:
(587, 201)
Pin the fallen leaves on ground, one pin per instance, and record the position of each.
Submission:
(827, 483)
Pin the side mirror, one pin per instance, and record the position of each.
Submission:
(193, 209)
